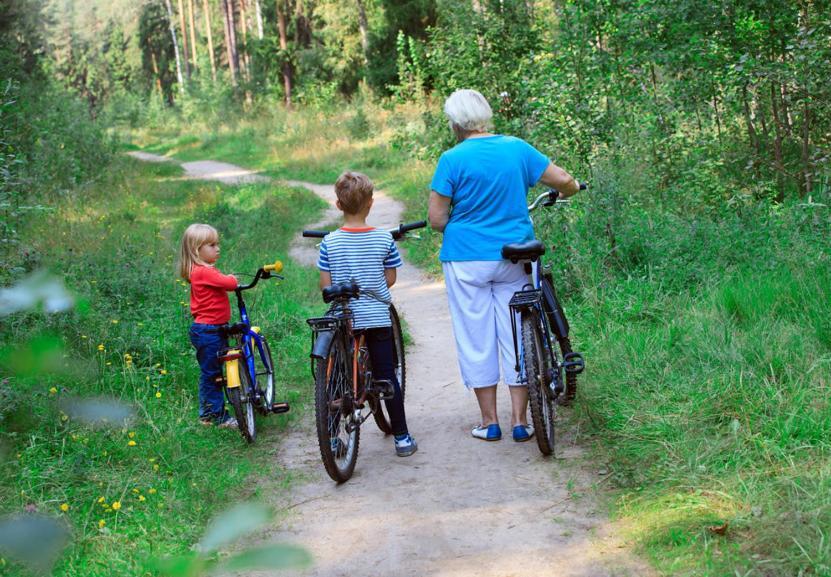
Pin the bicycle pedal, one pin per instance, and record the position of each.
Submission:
(384, 389)
(277, 408)
(574, 363)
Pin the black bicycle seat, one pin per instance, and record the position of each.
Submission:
(338, 291)
(517, 251)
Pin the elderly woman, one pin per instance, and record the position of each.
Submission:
(478, 200)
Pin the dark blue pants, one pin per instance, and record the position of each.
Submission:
(208, 342)
(381, 353)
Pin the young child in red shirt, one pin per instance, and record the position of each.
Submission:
(210, 308)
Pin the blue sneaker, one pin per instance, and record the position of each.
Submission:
(405, 445)
(489, 433)
(522, 433)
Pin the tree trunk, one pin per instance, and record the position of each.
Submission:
(230, 39)
(246, 60)
(175, 44)
(259, 19)
(286, 66)
(192, 34)
(363, 25)
(807, 168)
(777, 145)
(156, 73)
(207, 9)
(184, 30)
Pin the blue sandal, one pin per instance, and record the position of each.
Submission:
(489, 433)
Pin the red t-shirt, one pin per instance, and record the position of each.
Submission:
(208, 299)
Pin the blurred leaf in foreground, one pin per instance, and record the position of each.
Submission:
(34, 540)
(271, 557)
(42, 355)
(233, 524)
(38, 289)
(99, 411)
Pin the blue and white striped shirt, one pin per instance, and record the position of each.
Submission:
(362, 255)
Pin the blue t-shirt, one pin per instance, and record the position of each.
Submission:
(487, 180)
(361, 254)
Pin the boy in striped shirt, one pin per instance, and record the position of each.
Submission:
(368, 256)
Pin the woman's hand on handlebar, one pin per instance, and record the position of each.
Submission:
(556, 177)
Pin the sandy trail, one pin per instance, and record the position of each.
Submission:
(459, 507)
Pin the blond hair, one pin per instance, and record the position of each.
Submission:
(194, 237)
(353, 190)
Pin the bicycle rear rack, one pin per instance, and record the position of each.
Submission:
(525, 299)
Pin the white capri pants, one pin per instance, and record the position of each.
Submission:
(478, 293)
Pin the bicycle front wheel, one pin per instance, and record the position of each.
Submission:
(399, 366)
(264, 367)
(338, 435)
(240, 399)
(537, 365)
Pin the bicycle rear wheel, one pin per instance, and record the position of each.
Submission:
(333, 405)
(240, 399)
(537, 364)
(400, 367)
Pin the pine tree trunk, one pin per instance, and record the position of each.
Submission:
(156, 74)
(807, 169)
(363, 25)
(206, 8)
(179, 76)
(192, 34)
(184, 38)
(230, 38)
(259, 19)
(777, 145)
(246, 60)
(286, 66)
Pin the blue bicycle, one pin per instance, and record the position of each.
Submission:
(249, 369)
(542, 346)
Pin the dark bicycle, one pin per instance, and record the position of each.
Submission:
(541, 343)
(346, 393)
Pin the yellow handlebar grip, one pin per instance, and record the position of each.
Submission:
(276, 267)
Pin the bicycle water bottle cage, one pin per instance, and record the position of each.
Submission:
(574, 363)
(340, 291)
(517, 251)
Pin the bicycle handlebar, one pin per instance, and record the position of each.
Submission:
(551, 197)
(397, 232)
(266, 271)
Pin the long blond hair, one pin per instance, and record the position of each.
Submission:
(194, 237)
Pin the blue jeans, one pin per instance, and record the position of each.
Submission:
(208, 342)
(381, 354)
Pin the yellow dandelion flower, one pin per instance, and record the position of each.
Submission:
(116, 505)
(136, 491)
(131, 434)
(101, 499)
(152, 491)
(114, 321)
(101, 347)
(101, 523)
(53, 390)
(155, 467)
(163, 371)
(64, 507)
(84, 337)
(131, 444)
(158, 394)
(141, 498)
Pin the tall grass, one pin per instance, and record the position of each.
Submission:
(145, 490)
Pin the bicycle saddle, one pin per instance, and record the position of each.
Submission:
(517, 251)
(338, 291)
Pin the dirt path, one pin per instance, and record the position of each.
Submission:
(459, 507)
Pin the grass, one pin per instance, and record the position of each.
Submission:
(706, 335)
(146, 490)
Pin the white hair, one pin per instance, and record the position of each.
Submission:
(467, 109)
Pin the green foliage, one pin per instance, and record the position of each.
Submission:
(156, 481)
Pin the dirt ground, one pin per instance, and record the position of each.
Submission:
(459, 507)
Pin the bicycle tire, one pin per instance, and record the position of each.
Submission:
(399, 362)
(333, 381)
(571, 378)
(240, 399)
(267, 373)
(535, 360)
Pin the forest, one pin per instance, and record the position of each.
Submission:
(696, 268)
